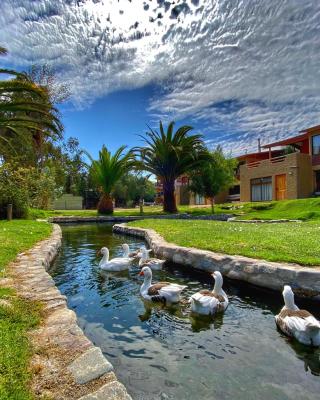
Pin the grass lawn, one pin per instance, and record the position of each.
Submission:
(287, 242)
(304, 209)
(19, 235)
(15, 351)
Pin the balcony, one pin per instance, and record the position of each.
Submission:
(273, 160)
(289, 160)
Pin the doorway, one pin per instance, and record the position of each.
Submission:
(317, 181)
(281, 187)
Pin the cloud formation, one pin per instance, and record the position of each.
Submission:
(247, 69)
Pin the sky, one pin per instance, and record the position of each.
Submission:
(234, 70)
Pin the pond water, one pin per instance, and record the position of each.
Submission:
(164, 353)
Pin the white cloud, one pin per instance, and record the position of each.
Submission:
(247, 68)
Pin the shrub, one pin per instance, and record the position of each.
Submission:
(14, 189)
(24, 187)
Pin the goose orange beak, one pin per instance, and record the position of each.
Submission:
(98, 252)
(141, 273)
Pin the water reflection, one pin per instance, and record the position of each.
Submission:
(166, 352)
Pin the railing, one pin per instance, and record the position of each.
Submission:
(274, 160)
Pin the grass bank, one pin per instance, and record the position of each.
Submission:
(303, 209)
(286, 242)
(19, 235)
(17, 316)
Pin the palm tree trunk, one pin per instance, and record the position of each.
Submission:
(105, 205)
(169, 199)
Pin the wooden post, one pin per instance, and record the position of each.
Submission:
(9, 212)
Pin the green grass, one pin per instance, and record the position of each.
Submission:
(19, 235)
(15, 321)
(303, 209)
(15, 349)
(286, 242)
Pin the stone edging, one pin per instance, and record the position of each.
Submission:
(75, 219)
(304, 280)
(263, 221)
(66, 364)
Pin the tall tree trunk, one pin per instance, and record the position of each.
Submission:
(169, 199)
(105, 205)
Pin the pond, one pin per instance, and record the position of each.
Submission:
(164, 353)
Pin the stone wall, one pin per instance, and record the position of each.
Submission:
(114, 218)
(304, 281)
(66, 365)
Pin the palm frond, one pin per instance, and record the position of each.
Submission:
(170, 154)
(3, 51)
(109, 168)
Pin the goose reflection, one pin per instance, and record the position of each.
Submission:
(173, 311)
(205, 322)
(309, 356)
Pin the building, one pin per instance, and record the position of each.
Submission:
(185, 197)
(68, 202)
(286, 169)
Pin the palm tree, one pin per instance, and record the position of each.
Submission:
(3, 50)
(25, 105)
(169, 155)
(106, 172)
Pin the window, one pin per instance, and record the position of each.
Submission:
(261, 189)
(315, 145)
(234, 190)
(317, 181)
(199, 200)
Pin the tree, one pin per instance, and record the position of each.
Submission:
(214, 176)
(131, 188)
(107, 171)
(26, 108)
(45, 76)
(3, 50)
(169, 155)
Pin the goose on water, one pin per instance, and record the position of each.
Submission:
(162, 291)
(297, 323)
(128, 253)
(208, 302)
(146, 261)
(115, 264)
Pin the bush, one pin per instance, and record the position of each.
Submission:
(24, 187)
(14, 189)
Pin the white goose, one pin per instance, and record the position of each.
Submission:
(127, 253)
(162, 291)
(146, 261)
(297, 323)
(208, 302)
(116, 264)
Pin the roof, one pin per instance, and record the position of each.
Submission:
(244, 156)
(251, 154)
(285, 142)
(312, 129)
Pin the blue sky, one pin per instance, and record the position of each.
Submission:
(235, 70)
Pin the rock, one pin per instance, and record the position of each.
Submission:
(111, 391)
(90, 365)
